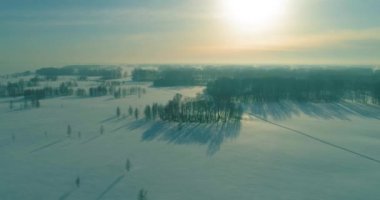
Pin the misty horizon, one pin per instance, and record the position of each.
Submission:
(45, 33)
(189, 100)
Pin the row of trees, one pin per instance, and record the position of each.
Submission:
(194, 110)
(40, 93)
(139, 74)
(179, 77)
(66, 89)
(181, 109)
(120, 92)
(316, 89)
(131, 112)
(26, 89)
(24, 104)
(17, 88)
(185, 76)
(83, 70)
(12, 89)
(69, 131)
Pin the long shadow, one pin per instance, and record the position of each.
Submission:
(321, 140)
(47, 146)
(113, 184)
(369, 111)
(155, 130)
(108, 119)
(5, 141)
(287, 109)
(91, 139)
(212, 135)
(131, 125)
(4, 145)
(67, 194)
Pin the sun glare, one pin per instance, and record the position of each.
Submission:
(252, 15)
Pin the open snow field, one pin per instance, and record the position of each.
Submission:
(279, 151)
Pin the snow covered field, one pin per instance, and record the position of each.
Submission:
(311, 151)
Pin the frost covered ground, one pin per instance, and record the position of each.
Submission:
(279, 151)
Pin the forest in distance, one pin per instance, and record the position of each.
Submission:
(222, 84)
(273, 84)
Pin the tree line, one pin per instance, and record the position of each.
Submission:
(198, 110)
(82, 70)
(194, 76)
(315, 89)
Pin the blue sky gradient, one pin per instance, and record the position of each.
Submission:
(52, 33)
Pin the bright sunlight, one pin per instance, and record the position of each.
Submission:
(252, 15)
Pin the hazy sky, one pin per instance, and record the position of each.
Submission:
(58, 32)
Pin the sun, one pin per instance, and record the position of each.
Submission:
(252, 14)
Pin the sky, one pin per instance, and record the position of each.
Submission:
(40, 33)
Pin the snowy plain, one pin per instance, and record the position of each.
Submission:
(278, 151)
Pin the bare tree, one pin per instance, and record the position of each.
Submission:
(128, 165)
(77, 182)
(137, 113)
(68, 130)
(148, 112)
(118, 112)
(130, 111)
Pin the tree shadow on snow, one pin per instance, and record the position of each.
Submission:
(108, 119)
(47, 145)
(135, 124)
(287, 109)
(113, 184)
(67, 194)
(212, 135)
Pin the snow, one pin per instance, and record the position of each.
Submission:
(256, 160)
